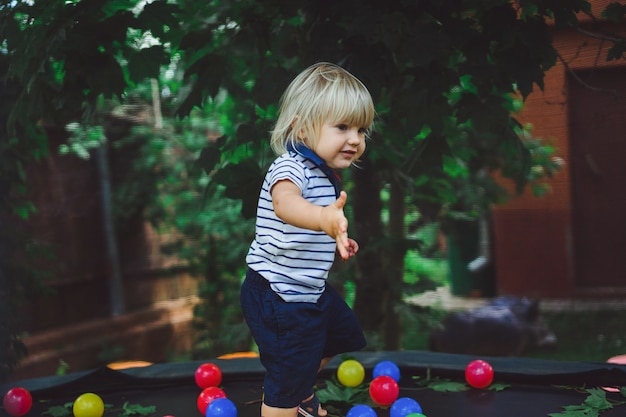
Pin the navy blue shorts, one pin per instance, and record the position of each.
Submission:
(293, 338)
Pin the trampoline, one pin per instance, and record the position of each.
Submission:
(530, 387)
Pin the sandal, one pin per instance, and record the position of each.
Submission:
(310, 408)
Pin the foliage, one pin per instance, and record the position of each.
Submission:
(448, 76)
(447, 385)
(127, 410)
(334, 394)
(164, 184)
(338, 398)
(442, 75)
(212, 237)
(594, 405)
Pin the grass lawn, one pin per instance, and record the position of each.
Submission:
(588, 336)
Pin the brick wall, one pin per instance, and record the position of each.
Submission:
(535, 238)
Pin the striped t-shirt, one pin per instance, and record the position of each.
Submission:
(295, 261)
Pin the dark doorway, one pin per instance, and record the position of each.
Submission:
(597, 131)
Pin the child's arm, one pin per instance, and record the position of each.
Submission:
(291, 207)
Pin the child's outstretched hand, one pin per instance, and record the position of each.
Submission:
(335, 224)
(292, 208)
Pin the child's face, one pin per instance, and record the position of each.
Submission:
(339, 144)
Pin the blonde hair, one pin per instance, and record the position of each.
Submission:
(322, 93)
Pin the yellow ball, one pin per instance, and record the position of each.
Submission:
(88, 405)
(351, 373)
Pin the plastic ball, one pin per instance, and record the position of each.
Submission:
(351, 373)
(388, 368)
(404, 406)
(207, 396)
(208, 375)
(384, 390)
(17, 401)
(221, 407)
(415, 415)
(361, 410)
(479, 374)
(88, 405)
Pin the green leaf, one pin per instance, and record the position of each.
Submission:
(211, 70)
(194, 99)
(440, 384)
(338, 393)
(58, 411)
(498, 386)
(453, 168)
(595, 403)
(111, 7)
(209, 157)
(447, 386)
(270, 85)
(159, 15)
(575, 413)
(616, 51)
(614, 12)
(137, 410)
(597, 399)
(243, 182)
(146, 63)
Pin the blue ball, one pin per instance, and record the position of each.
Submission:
(221, 407)
(361, 410)
(388, 368)
(404, 406)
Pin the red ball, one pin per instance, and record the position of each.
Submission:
(384, 390)
(479, 374)
(208, 375)
(17, 401)
(207, 396)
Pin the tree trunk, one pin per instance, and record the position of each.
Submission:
(371, 284)
(394, 260)
(116, 285)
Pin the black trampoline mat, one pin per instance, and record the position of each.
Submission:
(535, 387)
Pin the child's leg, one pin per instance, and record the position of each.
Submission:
(309, 406)
(321, 412)
(343, 331)
(325, 362)
(286, 336)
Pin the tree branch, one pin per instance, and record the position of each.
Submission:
(581, 81)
